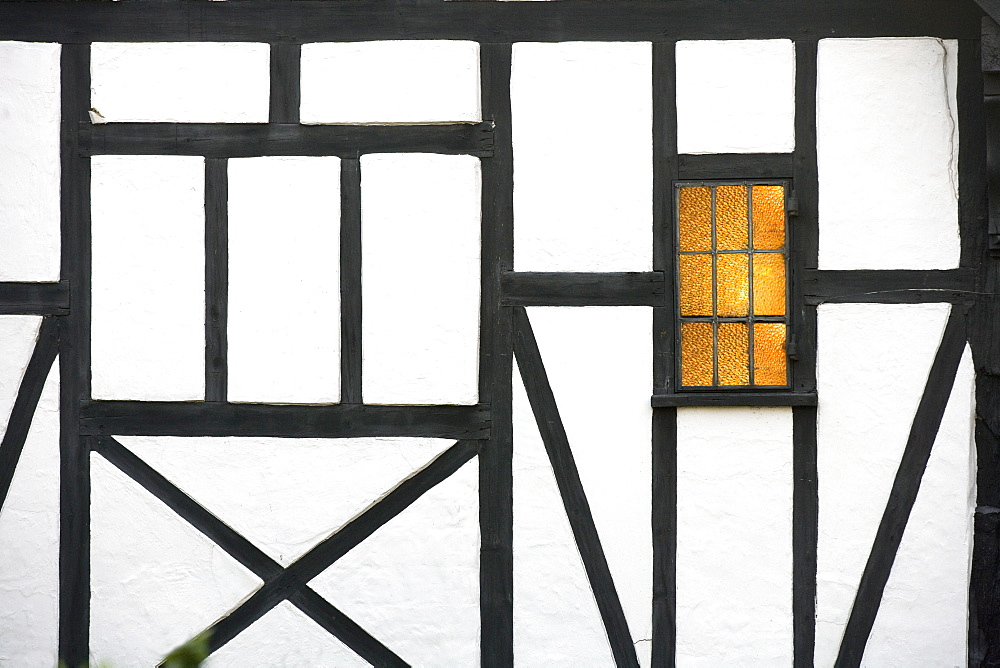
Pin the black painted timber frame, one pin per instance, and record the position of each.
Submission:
(485, 430)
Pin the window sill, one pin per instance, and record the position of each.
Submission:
(734, 399)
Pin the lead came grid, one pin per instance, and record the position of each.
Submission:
(732, 269)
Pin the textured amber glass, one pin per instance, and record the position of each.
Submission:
(696, 285)
(696, 354)
(769, 359)
(769, 284)
(696, 219)
(768, 217)
(731, 231)
(732, 284)
(734, 356)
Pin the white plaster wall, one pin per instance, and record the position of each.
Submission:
(155, 580)
(888, 153)
(420, 231)
(872, 365)
(18, 334)
(583, 174)
(599, 364)
(29, 162)
(923, 618)
(418, 81)
(734, 536)
(183, 82)
(736, 96)
(414, 583)
(284, 279)
(29, 524)
(302, 489)
(148, 268)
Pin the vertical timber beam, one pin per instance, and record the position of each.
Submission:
(286, 60)
(216, 278)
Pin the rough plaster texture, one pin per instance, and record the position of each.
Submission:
(574, 211)
(148, 332)
(390, 82)
(29, 162)
(734, 536)
(888, 148)
(414, 583)
(736, 96)
(284, 279)
(420, 230)
(29, 520)
(586, 352)
(872, 365)
(286, 495)
(183, 82)
(155, 580)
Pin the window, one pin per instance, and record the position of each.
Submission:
(732, 301)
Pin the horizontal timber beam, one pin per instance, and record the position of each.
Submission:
(309, 21)
(736, 166)
(539, 288)
(891, 286)
(139, 418)
(734, 399)
(34, 298)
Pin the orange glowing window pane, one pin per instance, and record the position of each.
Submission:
(768, 217)
(696, 354)
(695, 220)
(731, 227)
(769, 358)
(769, 284)
(732, 284)
(696, 285)
(734, 354)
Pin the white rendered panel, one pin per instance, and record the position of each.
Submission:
(148, 269)
(420, 218)
(582, 124)
(183, 82)
(736, 96)
(18, 334)
(156, 581)
(599, 364)
(411, 81)
(734, 536)
(888, 153)
(414, 583)
(304, 489)
(29, 536)
(29, 162)
(923, 617)
(872, 365)
(284, 279)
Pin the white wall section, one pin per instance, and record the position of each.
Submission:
(734, 536)
(29, 162)
(412, 81)
(872, 365)
(736, 96)
(148, 333)
(302, 489)
(582, 124)
(18, 334)
(183, 82)
(420, 220)
(888, 153)
(284, 279)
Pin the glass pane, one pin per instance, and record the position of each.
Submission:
(769, 284)
(733, 284)
(696, 354)
(769, 359)
(734, 358)
(696, 219)
(696, 284)
(768, 217)
(731, 229)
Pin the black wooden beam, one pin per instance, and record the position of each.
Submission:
(740, 166)
(306, 21)
(138, 418)
(286, 93)
(889, 286)
(216, 279)
(805, 534)
(350, 281)
(734, 399)
(241, 140)
(574, 498)
(537, 288)
(34, 298)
